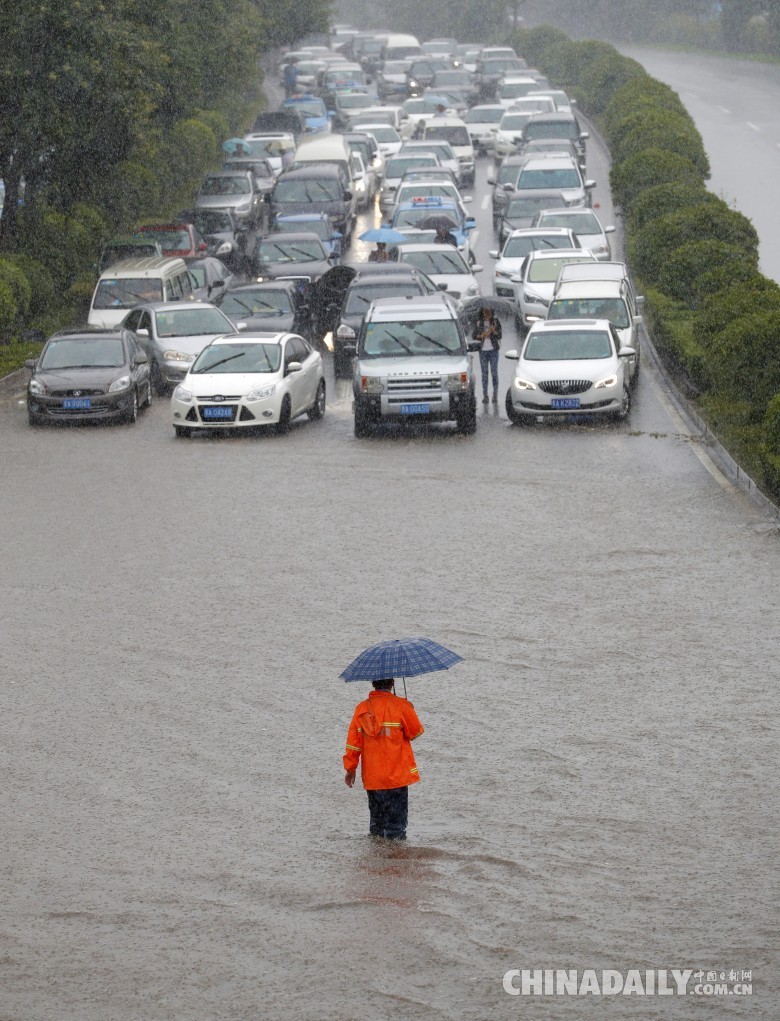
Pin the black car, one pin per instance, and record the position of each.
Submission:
(88, 375)
(422, 71)
(279, 306)
(299, 256)
(346, 306)
(314, 188)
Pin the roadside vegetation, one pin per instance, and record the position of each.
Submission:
(712, 315)
(112, 113)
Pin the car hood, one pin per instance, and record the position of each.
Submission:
(579, 368)
(457, 283)
(592, 240)
(280, 270)
(80, 379)
(222, 201)
(227, 384)
(192, 345)
(419, 365)
(281, 323)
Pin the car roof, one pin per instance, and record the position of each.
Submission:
(174, 306)
(88, 332)
(554, 118)
(427, 246)
(530, 232)
(312, 169)
(604, 288)
(151, 265)
(428, 306)
(298, 235)
(383, 278)
(251, 337)
(557, 253)
(617, 271)
(550, 325)
(550, 162)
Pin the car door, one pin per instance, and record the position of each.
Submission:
(291, 381)
(140, 319)
(309, 372)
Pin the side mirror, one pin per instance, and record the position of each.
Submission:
(490, 179)
(441, 287)
(474, 345)
(241, 326)
(217, 284)
(467, 198)
(471, 223)
(293, 367)
(584, 135)
(609, 230)
(493, 253)
(589, 185)
(142, 331)
(513, 356)
(516, 278)
(626, 352)
(637, 320)
(509, 186)
(203, 247)
(140, 360)
(476, 268)
(30, 363)
(347, 196)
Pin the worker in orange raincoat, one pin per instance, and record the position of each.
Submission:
(380, 736)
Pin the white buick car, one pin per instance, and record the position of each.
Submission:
(247, 380)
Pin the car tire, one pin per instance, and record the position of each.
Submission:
(182, 432)
(148, 397)
(317, 410)
(625, 407)
(363, 422)
(131, 415)
(635, 377)
(467, 420)
(283, 425)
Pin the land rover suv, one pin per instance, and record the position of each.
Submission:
(413, 364)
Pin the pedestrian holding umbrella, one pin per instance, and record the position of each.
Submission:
(384, 725)
(237, 145)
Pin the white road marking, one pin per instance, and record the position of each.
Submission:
(485, 201)
(473, 237)
(755, 127)
(725, 109)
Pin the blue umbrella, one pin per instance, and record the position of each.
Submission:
(383, 235)
(401, 657)
(234, 144)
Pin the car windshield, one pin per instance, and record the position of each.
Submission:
(312, 107)
(522, 208)
(514, 121)
(452, 78)
(264, 147)
(213, 221)
(308, 189)
(218, 358)
(425, 338)
(398, 167)
(321, 228)
(361, 296)
(455, 134)
(353, 100)
(613, 309)
(411, 217)
(545, 271)
(169, 238)
(581, 223)
(440, 149)
(289, 251)
(409, 192)
(516, 89)
(445, 259)
(229, 185)
(384, 134)
(567, 345)
(518, 248)
(124, 293)
(262, 303)
(191, 322)
(395, 67)
(484, 115)
(508, 173)
(551, 129)
(501, 65)
(550, 178)
(83, 353)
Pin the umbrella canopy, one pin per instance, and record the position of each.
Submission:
(401, 657)
(383, 235)
(234, 145)
(437, 221)
(281, 145)
(501, 306)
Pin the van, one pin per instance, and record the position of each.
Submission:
(333, 149)
(399, 46)
(135, 282)
(454, 131)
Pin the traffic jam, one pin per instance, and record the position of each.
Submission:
(336, 243)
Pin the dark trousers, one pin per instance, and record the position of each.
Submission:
(488, 360)
(389, 813)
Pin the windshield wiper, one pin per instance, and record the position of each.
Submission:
(222, 361)
(436, 343)
(302, 251)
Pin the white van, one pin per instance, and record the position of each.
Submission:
(136, 281)
(333, 149)
(399, 46)
(454, 131)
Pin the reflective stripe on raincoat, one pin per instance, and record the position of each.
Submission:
(379, 738)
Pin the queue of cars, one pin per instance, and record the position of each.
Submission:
(227, 308)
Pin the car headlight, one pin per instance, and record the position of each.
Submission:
(37, 388)
(259, 393)
(502, 274)
(260, 279)
(607, 381)
(224, 248)
(181, 393)
(412, 83)
(533, 299)
(458, 381)
(243, 210)
(524, 384)
(178, 356)
(472, 289)
(600, 250)
(371, 384)
(119, 384)
(345, 332)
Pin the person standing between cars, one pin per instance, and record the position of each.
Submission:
(444, 236)
(487, 330)
(290, 77)
(380, 253)
(379, 738)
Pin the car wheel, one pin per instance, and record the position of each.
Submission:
(147, 402)
(131, 416)
(511, 414)
(625, 407)
(182, 432)
(467, 420)
(363, 422)
(635, 377)
(318, 408)
(283, 425)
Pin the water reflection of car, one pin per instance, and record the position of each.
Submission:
(248, 381)
(275, 307)
(280, 256)
(88, 375)
(314, 223)
(569, 368)
(173, 335)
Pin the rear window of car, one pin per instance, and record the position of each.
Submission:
(126, 293)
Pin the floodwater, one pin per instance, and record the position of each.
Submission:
(598, 776)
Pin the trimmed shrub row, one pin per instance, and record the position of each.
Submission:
(712, 314)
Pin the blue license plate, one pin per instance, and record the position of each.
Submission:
(561, 403)
(217, 413)
(76, 403)
(415, 409)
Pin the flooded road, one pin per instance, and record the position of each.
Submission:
(598, 777)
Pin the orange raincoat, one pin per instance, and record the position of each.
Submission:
(380, 737)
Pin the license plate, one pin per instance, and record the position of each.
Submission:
(560, 403)
(415, 409)
(76, 403)
(217, 413)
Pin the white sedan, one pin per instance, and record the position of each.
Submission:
(250, 380)
(570, 367)
(518, 246)
(443, 264)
